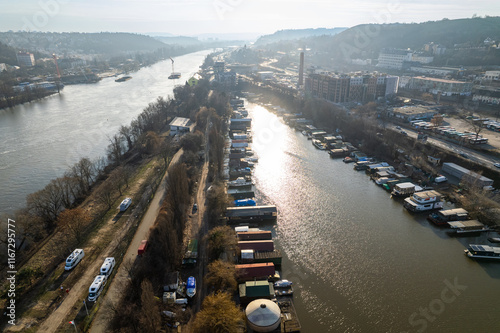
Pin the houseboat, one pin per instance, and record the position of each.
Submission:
(448, 215)
(467, 227)
(423, 201)
(361, 165)
(240, 182)
(318, 144)
(482, 252)
(403, 190)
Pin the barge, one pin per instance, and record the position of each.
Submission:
(443, 217)
(476, 251)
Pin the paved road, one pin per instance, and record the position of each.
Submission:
(115, 290)
(473, 155)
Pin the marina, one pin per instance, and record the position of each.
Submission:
(350, 284)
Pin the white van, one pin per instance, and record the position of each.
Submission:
(73, 259)
(107, 266)
(440, 179)
(96, 287)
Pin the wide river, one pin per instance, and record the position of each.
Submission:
(39, 141)
(358, 260)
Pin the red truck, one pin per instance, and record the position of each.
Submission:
(142, 248)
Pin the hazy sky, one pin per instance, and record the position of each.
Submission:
(190, 17)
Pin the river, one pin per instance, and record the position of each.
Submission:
(358, 260)
(39, 141)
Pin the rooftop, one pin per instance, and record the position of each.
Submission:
(438, 80)
(181, 122)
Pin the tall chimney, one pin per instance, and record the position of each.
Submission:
(301, 69)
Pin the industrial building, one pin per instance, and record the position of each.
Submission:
(180, 125)
(466, 175)
(441, 86)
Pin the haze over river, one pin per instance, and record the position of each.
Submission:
(358, 260)
(39, 141)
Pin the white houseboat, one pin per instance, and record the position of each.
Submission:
(469, 226)
(423, 201)
(482, 252)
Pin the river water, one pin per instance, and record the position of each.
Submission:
(39, 141)
(358, 260)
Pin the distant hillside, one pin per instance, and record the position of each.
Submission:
(291, 34)
(85, 43)
(365, 41)
(179, 40)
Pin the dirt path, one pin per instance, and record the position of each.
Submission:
(78, 291)
(115, 290)
(199, 230)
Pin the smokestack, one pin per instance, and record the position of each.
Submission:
(301, 70)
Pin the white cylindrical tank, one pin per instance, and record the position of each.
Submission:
(263, 315)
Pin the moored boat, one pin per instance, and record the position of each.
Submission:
(423, 201)
(448, 215)
(191, 286)
(123, 78)
(478, 251)
(470, 226)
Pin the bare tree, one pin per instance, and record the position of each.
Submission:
(150, 318)
(46, 203)
(75, 220)
(219, 314)
(221, 276)
(115, 149)
(105, 194)
(84, 172)
(126, 132)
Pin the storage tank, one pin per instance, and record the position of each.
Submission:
(263, 315)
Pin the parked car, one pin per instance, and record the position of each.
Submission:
(404, 132)
(398, 127)
(497, 165)
(195, 208)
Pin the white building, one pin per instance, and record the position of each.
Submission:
(393, 58)
(492, 75)
(180, 125)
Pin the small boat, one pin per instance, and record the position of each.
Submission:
(123, 78)
(304, 133)
(283, 284)
(191, 287)
(252, 159)
(174, 75)
(348, 159)
(494, 239)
